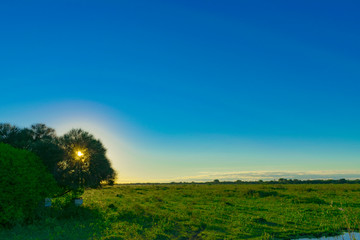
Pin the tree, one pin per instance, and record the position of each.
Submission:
(41, 132)
(51, 154)
(44, 143)
(39, 139)
(7, 132)
(24, 183)
(16, 137)
(60, 155)
(85, 163)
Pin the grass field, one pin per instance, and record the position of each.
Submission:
(200, 211)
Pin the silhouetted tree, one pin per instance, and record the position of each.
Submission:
(16, 137)
(59, 155)
(44, 143)
(41, 132)
(283, 180)
(7, 132)
(38, 139)
(89, 169)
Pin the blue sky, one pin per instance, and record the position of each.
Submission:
(176, 89)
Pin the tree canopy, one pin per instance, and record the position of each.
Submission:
(91, 167)
(59, 154)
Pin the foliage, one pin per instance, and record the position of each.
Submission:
(88, 170)
(8, 132)
(44, 143)
(282, 181)
(59, 154)
(24, 183)
(16, 137)
(195, 211)
(51, 154)
(39, 139)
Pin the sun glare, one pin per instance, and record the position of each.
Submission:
(79, 153)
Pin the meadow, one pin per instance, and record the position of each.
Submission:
(200, 211)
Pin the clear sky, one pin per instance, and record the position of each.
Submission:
(191, 90)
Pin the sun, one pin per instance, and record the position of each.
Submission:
(79, 153)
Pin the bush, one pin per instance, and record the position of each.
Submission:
(24, 183)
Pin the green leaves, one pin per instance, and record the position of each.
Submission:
(24, 183)
(59, 154)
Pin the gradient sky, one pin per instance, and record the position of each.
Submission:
(191, 90)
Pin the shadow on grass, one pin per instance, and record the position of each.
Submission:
(261, 194)
(68, 222)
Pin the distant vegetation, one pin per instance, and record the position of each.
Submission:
(201, 211)
(279, 181)
(74, 161)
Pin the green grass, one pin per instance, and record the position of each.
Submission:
(200, 212)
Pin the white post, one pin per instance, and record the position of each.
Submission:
(47, 202)
(78, 201)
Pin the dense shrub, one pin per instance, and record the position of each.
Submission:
(60, 154)
(24, 183)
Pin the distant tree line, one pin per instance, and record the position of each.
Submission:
(281, 181)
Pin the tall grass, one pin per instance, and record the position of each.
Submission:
(200, 212)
